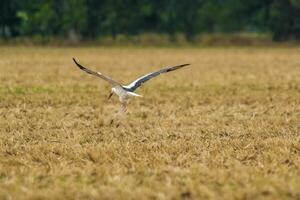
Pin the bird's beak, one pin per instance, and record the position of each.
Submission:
(110, 95)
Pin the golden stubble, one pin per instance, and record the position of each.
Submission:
(226, 127)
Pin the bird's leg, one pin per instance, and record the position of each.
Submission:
(122, 110)
(119, 114)
(124, 107)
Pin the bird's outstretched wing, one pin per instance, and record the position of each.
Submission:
(137, 83)
(111, 81)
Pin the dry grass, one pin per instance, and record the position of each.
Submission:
(228, 127)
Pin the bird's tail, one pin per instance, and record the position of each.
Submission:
(135, 94)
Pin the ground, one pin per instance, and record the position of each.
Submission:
(226, 127)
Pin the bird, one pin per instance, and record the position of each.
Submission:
(126, 91)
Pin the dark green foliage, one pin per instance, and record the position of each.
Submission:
(285, 19)
(9, 21)
(90, 19)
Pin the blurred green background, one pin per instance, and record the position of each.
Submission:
(149, 20)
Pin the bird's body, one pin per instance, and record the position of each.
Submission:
(124, 92)
(121, 92)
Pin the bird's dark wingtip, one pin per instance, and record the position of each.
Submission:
(177, 67)
(183, 65)
(75, 60)
(78, 65)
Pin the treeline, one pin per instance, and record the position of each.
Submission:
(91, 19)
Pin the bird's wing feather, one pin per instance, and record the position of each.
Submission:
(98, 74)
(137, 83)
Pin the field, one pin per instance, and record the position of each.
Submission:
(227, 127)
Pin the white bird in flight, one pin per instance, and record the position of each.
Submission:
(126, 91)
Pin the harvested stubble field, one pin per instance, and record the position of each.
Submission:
(227, 127)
